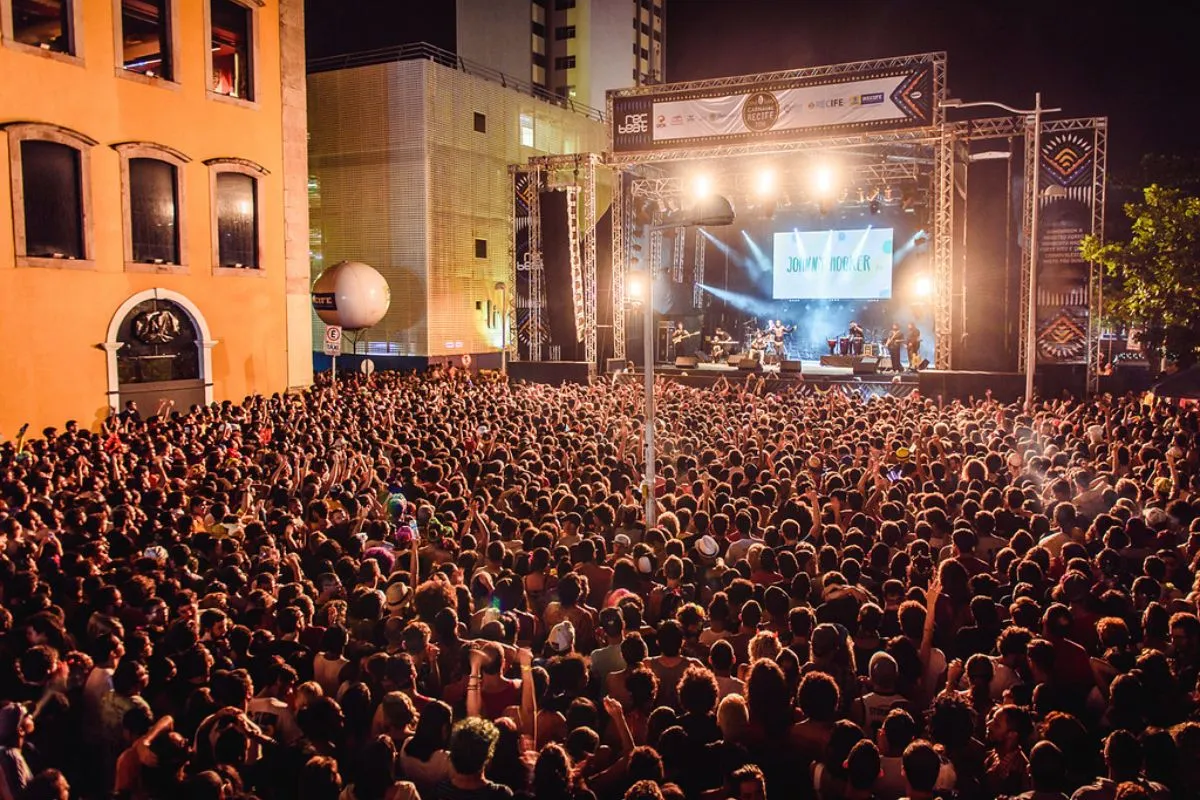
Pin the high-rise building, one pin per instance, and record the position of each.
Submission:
(583, 48)
(573, 49)
(154, 236)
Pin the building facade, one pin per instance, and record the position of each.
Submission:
(408, 166)
(575, 50)
(583, 48)
(153, 218)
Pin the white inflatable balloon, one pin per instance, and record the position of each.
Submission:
(351, 294)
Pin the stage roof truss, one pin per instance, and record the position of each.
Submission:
(938, 59)
(927, 136)
(740, 184)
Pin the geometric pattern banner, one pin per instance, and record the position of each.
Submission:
(524, 195)
(1067, 163)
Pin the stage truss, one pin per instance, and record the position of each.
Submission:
(649, 184)
(1022, 126)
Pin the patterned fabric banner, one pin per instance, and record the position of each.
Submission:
(1067, 164)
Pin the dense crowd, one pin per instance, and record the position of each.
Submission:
(443, 587)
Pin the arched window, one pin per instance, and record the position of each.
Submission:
(236, 216)
(152, 189)
(51, 195)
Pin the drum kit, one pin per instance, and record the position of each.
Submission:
(762, 345)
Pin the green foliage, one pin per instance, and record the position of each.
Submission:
(1153, 278)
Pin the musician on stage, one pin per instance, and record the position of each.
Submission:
(894, 343)
(778, 331)
(856, 339)
(679, 337)
(914, 346)
(720, 343)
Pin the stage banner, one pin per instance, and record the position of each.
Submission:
(877, 96)
(1067, 164)
(524, 195)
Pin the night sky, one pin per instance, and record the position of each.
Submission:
(1134, 62)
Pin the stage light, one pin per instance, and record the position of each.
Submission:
(701, 187)
(923, 286)
(873, 206)
(635, 288)
(764, 184)
(823, 180)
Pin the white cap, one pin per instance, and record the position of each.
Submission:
(562, 637)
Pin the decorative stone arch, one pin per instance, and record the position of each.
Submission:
(112, 344)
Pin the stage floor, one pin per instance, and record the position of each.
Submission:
(812, 377)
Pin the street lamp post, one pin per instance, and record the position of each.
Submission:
(710, 212)
(648, 336)
(1031, 309)
(502, 287)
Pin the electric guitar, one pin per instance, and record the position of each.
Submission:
(676, 338)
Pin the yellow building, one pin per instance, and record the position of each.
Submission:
(153, 205)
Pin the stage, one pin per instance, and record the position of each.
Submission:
(812, 376)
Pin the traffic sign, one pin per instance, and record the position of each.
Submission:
(366, 366)
(333, 340)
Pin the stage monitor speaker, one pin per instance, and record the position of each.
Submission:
(924, 364)
(686, 362)
(749, 364)
(790, 366)
(866, 365)
(612, 365)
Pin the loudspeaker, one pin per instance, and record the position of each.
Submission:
(868, 365)
(686, 362)
(749, 364)
(924, 364)
(790, 366)
(612, 365)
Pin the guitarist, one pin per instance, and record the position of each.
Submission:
(678, 337)
(894, 342)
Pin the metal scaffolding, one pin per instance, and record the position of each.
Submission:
(576, 175)
(1096, 282)
(620, 265)
(740, 181)
(589, 261)
(943, 251)
(919, 164)
(698, 269)
(574, 255)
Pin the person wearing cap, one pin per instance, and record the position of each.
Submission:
(607, 658)
(572, 591)
(561, 641)
(621, 545)
(870, 710)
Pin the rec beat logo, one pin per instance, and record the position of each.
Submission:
(635, 124)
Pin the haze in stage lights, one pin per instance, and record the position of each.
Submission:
(833, 265)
